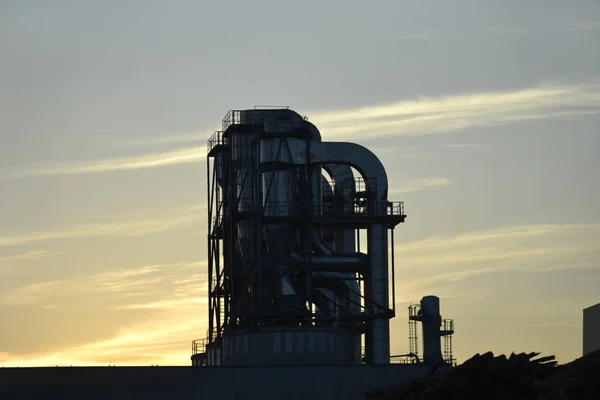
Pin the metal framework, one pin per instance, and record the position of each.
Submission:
(238, 286)
(447, 332)
(416, 314)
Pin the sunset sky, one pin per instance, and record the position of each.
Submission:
(486, 115)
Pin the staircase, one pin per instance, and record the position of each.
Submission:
(448, 349)
(412, 336)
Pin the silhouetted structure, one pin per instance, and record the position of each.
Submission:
(289, 282)
(434, 328)
(292, 295)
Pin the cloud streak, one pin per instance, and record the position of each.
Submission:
(188, 155)
(421, 184)
(162, 286)
(123, 227)
(175, 138)
(30, 255)
(164, 341)
(423, 116)
(441, 261)
(437, 115)
(504, 279)
(174, 293)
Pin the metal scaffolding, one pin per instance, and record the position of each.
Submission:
(242, 292)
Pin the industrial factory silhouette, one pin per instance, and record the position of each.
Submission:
(301, 279)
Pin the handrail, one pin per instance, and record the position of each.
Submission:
(199, 346)
(335, 207)
(448, 325)
(215, 140)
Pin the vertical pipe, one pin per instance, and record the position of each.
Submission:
(393, 266)
(380, 335)
(308, 241)
(259, 208)
(209, 245)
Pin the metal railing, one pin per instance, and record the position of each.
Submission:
(374, 207)
(335, 207)
(199, 346)
(351, 185)
(395, 208)
(331, 207)
(234, 117)
(215, 140)
(414, 310)
(405, 359)
(448, 325)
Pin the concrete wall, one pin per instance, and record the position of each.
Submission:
(223, 383)
(591, 329)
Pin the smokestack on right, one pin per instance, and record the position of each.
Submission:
(434, 328)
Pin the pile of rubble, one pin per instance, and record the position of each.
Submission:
(520, 376)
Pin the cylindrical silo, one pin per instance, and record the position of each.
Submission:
(431, 321)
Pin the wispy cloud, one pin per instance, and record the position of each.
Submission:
(436, 115)
(174, 138)
(125, 226)
(157, 286)
(164, 341)
(420, 184)
(447, 259)
(514, 277)
(11, 262)
(174, 293)
(426, 115)
(29, 255)
(186, 155)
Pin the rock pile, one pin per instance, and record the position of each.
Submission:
(520, 376)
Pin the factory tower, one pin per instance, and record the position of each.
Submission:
(289, 283)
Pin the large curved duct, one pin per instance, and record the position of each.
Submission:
(344, 239)
(343, 264)
(362, 159)
(325, 299)
(373, 172)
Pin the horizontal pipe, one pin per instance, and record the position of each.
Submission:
(336, 263)
(319, 244)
